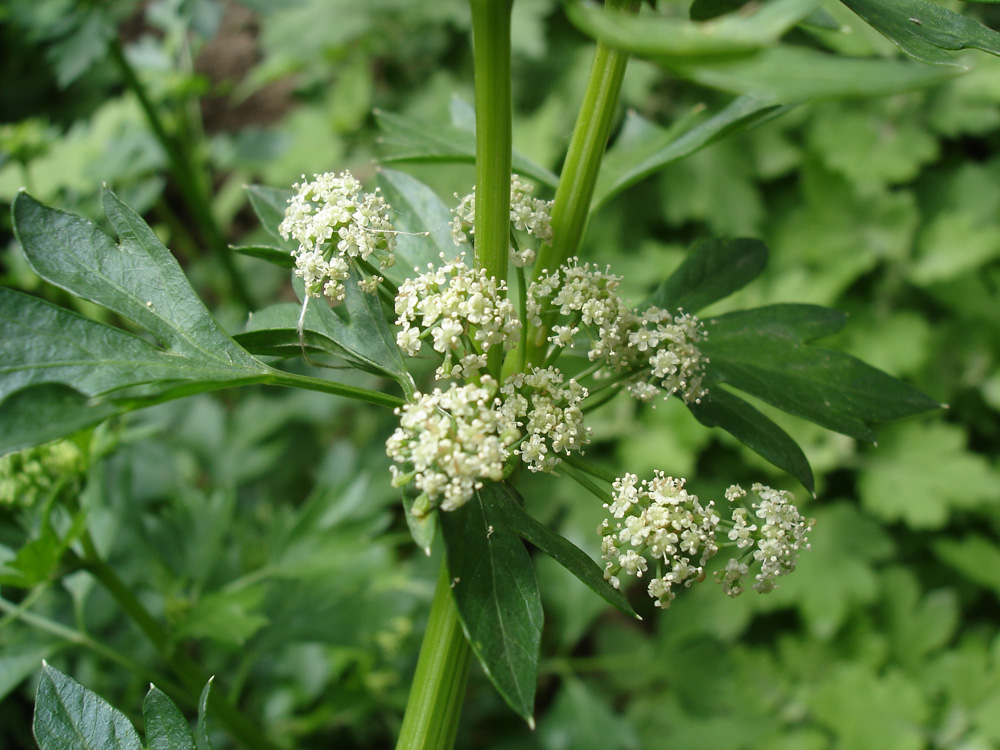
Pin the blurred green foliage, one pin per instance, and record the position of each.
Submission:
(261, 527)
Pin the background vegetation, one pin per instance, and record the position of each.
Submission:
(260, 525)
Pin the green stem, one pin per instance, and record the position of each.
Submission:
(491, 57)
(290, 379)
(191, 674)
(195, 190)
(583, 159)
(438, 690)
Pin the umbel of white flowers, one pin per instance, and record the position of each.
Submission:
(660, 522)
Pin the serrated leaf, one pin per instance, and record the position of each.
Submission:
(229, 617)
(713, 270)
(137, 278)
(497, 596)
(276, 255)
(166, 727)
(68, 716)
(919, 624)
(790, 74)
(720, 408)
(644, 148)
(765, 353)
(416, 209)
(85, 44)
(662, 38)
(507, 504)
(922, 473)
(925, 30)
(413, 140)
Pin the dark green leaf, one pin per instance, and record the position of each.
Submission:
(720, 408)
(497, 596)
(273, 332)
(789, 74)
(68, 716)
(416, 209)
(924, 30)
(663, 38)
(508, 506)
(138, 278)
(644, 148)
(40, 413)
(764, 352)
(412, 140)
(166, 727)
(714, 269)
(275, 255)
(269, 204)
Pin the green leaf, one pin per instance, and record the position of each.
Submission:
(974, 556)
(166, 727)
(583, 720)
(713, 269)
(137, 278)
(497, 596)
(924, 30)
(269, 204)
(644, 148)
(662, 38)
(508, 505)
(68, 716)
(764, 352)
(413, 140)
(922, 473)
(416, 209)
(720, 408)
(275, 255)
(789, 74)
(40, 413)
(18, 662)
(229, 617)
(422, 528)
(92, 28)
(201, 732)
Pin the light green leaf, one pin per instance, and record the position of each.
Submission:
(644, 148)
(497, 596)
(68, 716)
(665, 39)
(924, 30)
(922, 473)
(509, 507)
(18, 662)
(581, 720)
(764, 352)
(166, 727)
(919, 625)
(229, 617)
(974, 556)
(954, 243)
(201, 733)
(789, 74)
(713, 270)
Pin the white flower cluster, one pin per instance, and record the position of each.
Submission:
(546, 408)
(527, 214)
(775, 543)
(465, 312)
(452, 440)
(660, 520)
(334, 225)
(659, 348)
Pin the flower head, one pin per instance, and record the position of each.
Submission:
(335, 225)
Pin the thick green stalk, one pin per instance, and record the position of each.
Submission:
(195, 190)
(438, 690)
(586, 149)
(491, 56)
(583, 162)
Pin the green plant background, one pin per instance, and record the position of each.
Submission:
(261, 526)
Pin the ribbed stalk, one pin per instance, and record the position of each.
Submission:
(438, 690)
